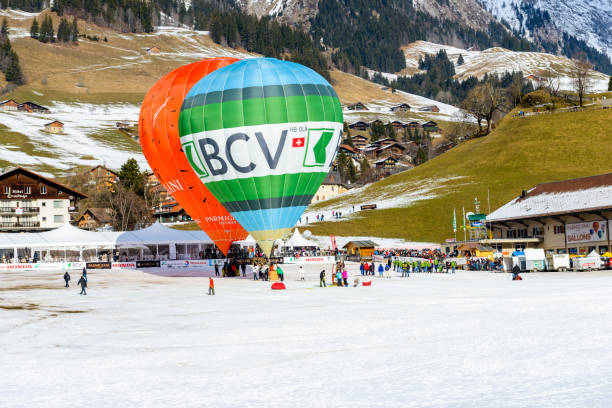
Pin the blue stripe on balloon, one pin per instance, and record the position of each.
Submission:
(269, 219)
(270, 71)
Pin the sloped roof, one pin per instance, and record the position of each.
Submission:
(558, 198)
(30, 173)
(362, 244)
(298, 241)
(100, 214)
(70, 236)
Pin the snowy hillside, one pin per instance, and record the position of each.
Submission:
(500, 60)
(588, 20)
(89, 137)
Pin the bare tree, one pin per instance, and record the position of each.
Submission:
(549, 80)
(473, 105)
(129, 209)
(483, 102)
(462, 127)
(580, 77)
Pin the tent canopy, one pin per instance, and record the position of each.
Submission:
(68, 236)
(160, 234)
(298, 241)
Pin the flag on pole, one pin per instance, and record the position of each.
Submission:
(454, 221)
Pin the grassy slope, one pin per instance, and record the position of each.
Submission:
(517, 155)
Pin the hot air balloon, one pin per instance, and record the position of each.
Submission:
(159, 138)
(264, 134)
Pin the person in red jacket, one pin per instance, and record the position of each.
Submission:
(211, 286)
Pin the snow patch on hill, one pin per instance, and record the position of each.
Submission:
(392, 196)
(500, 60)
(588, 20)
(84, 134)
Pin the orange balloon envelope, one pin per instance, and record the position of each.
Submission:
(161, 145)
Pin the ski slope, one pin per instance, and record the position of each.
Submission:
(474, 339)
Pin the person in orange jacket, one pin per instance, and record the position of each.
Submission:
(211, 286)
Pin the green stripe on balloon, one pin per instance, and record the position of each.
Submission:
(258, 92)
(254, 112)
(267, 203)
(267, 187)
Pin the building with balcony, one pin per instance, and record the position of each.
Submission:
(101, 177)
(569, 216)
(171, 211)
(31, 202)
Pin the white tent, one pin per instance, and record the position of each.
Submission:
(160, 234)
(69, 238)
(298, 241)
(247, 242)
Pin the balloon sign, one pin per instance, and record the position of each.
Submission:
(159, 138)
(261, 135)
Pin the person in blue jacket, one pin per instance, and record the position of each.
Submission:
(380, 270)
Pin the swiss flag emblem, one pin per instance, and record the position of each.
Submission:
(298, 142)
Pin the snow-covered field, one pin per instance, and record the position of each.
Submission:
(464, 340)
(500, 60)
(81, 122)
(381, 109)
(391, 196)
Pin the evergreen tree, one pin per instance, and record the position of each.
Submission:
(364, 165)
(74, 31)
(131, 177)
(34, 29)
(351, 171)
(4, 29)
(421, 156)
(13, 70)
(610, 84)
(460, 61)
(63, 31)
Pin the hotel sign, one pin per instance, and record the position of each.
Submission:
(591, 231)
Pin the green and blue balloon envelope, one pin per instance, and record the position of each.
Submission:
(262, 134)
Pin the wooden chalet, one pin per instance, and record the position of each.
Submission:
(358, 106)
(9, 105)
(430, 126)
(95, 218)
(31, 202)
(348, 150)
(54, 127)
(404, 107)
(360, 125)
(171, 211)
(101, 177)
(396, 124)
(430, 108)
(359, 141)
(412, 148)
(376, 122)
(395, 149)
(413, 124)
(32, 107)
(386, 163)
(384, 142)
(153, 50)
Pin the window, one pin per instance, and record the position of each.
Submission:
(7, 189)
(519, 247)
(559, 229)
(58, 204)
(43, 189)
(538, 231)
(522, 233)
(58, 219)
(28, 190)
(511, 234)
